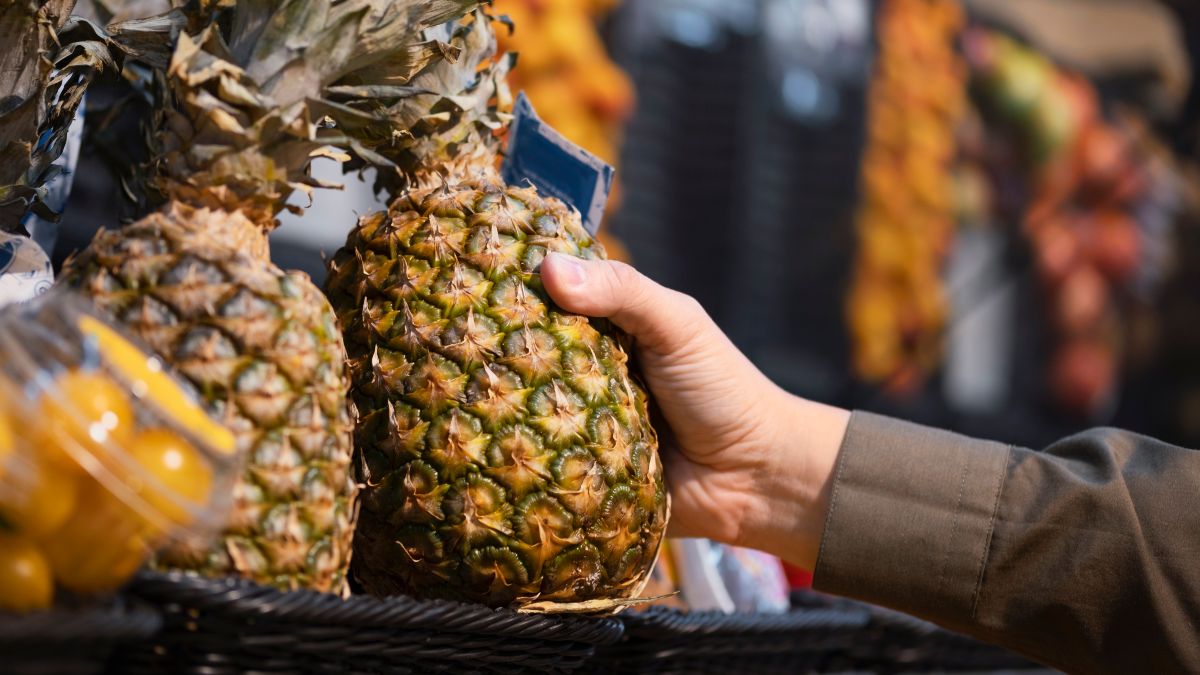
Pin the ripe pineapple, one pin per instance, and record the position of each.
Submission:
(506, 453)
(195, 282)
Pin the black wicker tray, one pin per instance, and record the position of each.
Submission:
(72, 641)
(233, 626)
(668, 641)
(821, 634)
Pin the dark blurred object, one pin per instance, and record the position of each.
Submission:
(1162, 396)
(74, 640)
(740, 168)
(112, 143)
(1187, 127)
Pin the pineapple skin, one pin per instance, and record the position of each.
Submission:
(505, 452)
(263, 349)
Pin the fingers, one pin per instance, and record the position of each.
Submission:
(661, 319)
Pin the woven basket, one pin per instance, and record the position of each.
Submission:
(215, 626)
(820, 634)
(668, 641)
(72, 641)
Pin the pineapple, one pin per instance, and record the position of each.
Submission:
(505, 450)
(233, 140)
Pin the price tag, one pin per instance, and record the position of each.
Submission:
(555, 166)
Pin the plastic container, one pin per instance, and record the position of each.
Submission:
(104, 457)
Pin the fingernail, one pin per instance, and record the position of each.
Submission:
(570, 268)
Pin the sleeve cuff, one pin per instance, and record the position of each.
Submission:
(910, 518)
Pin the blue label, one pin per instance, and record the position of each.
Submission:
(8, 253)
(556, 166)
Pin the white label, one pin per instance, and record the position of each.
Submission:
(25, 270)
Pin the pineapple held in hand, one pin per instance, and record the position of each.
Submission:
(233, 139)
(506, 452)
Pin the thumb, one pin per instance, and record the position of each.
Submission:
(660, 319)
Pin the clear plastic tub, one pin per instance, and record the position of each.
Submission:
(104, 457)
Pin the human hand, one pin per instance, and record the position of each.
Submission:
(747, 463)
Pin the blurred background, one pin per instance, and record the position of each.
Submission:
(978, 214)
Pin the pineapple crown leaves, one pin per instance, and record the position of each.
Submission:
(147, 41)
(25, 68)
(444, 113)
(239, 125)
(109, 11)
(196, 14)
(53, 66)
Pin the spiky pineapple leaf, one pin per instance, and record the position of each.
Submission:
(29, 27)
(447, 109)
(290, 47)
(240, 123)
(109, 11)
(147, 40)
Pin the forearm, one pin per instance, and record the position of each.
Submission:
(792, 492)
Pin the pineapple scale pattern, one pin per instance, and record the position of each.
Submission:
(506, 454)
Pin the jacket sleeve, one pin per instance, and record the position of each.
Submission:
(1084, 556)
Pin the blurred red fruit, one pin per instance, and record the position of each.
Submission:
(1102, 160)
(1081, 301)
(1129, 185)
(1116, 246)
(1057, 248)
(1082, 376)
(1085, 104)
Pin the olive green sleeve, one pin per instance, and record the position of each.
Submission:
(1085, 556)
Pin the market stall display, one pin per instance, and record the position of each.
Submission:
(208, 464)
(1076, 184)
(806, 640)
(897, 305)
(819, 634)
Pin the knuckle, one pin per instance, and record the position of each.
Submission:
(690, 306)
(625, 283)
(688, 309)
(623, 274)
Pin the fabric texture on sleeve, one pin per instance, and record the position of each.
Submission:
(1085, 556)
(910, 517)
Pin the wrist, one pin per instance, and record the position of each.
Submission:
(790, 503)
